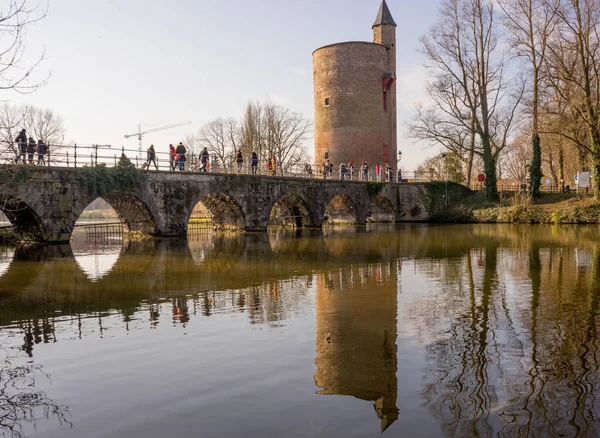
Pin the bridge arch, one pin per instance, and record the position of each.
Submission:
(26, 223)
(381, 209)
(133, 212)
(224, 212)
(291, 210)
(341, 209)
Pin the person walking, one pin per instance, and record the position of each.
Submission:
(365, 171)
(378, 172)
(172, 155)
(21, 141)
(204, 159)
(31, 148)
(270, 166)
(324, 169)
(180, 158)
(239, 159)
(342, 171)
(151, 157)
(254, 162)
(42, 150)
(351, 169)
(388, 173)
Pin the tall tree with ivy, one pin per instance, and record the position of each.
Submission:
(530, 24)
(475, 102)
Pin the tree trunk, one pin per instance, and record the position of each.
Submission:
(535, 170)
(595, 146)
(491, 189)
(471, 154)
(561, 167)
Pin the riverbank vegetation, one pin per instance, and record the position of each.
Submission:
(522, 208)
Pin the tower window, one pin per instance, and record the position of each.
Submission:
(327, 101)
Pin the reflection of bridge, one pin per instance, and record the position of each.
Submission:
(48, 205)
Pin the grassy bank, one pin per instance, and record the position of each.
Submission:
(519, 208)
(99, 214)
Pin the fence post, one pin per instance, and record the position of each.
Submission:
(67, 159)
(115, 160)
(75, 154)
(137, 164)
(92, 158)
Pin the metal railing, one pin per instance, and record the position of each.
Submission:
(94, 155)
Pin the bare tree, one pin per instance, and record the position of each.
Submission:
(474, 107)
(574, 73)
(222, 138)
(41, 124)
(275, 132)
(193, 145)
(16, 71)
(44, 124)
(284, 134)
(517, 159)
(531, 23)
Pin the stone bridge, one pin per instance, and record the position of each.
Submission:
(47, 205)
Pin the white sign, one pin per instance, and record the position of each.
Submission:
(583, 180)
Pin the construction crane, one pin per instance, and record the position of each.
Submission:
(141, 133)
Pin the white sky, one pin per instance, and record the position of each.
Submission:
(117, 63)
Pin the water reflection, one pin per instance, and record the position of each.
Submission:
(512, 345)
(356, 336)
(95, 257)
(22, 406)
(502, 321)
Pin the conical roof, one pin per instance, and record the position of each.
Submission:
(384, 16)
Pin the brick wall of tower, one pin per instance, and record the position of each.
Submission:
(355, 125)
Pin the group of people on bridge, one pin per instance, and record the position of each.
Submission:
(178, 156)
(347, 171)
(27, 148)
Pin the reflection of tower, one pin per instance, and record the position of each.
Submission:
(356, 336)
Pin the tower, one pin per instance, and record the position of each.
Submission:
(355, 97)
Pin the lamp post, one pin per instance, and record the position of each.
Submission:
(446, 166)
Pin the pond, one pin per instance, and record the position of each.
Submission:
(409, 330)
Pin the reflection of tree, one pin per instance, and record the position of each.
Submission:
(518, 354)
(462, 397)
(21, 406)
